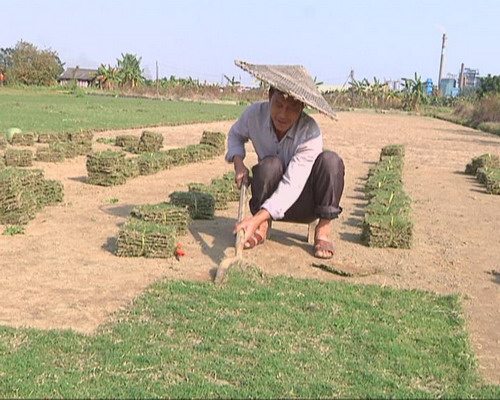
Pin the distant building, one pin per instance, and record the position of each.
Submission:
(469, 79)
(448, 86)
(428, 86)
(393, 85)
(84, 77)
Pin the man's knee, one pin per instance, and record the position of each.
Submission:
(331, 161)
(272, 163)
(268, 167)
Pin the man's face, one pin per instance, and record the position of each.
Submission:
(285, 111)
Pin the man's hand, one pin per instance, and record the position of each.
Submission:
(240, 171)
(252, 224)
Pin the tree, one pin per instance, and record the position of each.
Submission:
(232, 81)
(489, 84)
(6, 58)
(130, 73)
(414, 92)
(30, 66)
(106, 77)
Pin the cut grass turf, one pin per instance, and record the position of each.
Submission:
(255, 337)
(45, 111)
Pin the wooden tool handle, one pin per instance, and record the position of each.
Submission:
(240, 235)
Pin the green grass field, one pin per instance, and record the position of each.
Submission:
(52, 111)
(255, 337)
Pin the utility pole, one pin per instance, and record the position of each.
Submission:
(157, 82)
(351, 81)
(441, 63)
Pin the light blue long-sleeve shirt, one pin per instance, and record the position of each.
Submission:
(297, 150)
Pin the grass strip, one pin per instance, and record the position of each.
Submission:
(254, 337)
(53, 111)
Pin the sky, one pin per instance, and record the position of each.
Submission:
(387, 39)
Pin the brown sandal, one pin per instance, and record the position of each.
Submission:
(253, 241)
(321, 245)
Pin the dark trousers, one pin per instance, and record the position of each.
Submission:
(320, 197)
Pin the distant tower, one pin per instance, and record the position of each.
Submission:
(441, 64)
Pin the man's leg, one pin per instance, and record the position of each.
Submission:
(321, 199)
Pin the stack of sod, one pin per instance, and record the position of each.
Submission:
(393, 150)
(151, 163)
(484, 161)
(179, 156)
(227, 181)
(53, 192)
(482, 174)
(164, 214)
(487, 170)
(215, 139)
(139, 238)
(387, 220)
(52, 153)
(492, 181)
(2, 163)
(70, 149)
(220, 193)
(21, 195)
(387, 172)
(106, 168)
(82, 142)
(3, 142)
(23, 139)
(131, 169)
(200, 205)
(199, 152)
(51, 137)
(18, 158)
(150, 142)
(128, 142)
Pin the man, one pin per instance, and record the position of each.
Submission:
(294, 179)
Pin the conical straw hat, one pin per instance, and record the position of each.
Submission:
(293, 80)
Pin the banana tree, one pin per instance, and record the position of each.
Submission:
(106, 77)
(231, 81)
(414, 91)
(377, 91)
(130, 71)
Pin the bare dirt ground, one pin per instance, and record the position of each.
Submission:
(63, 274)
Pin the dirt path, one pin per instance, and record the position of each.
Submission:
(62, 272)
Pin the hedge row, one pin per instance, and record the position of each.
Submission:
(486, 168)
(387, 221)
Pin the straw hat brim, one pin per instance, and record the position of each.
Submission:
(293, 80)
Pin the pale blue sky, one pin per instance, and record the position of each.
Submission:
(389, 39)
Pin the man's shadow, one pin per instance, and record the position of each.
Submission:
(216, 238)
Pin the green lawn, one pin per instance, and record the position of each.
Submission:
(254, 337)
(53, 111)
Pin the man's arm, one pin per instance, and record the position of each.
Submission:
(240, 171)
